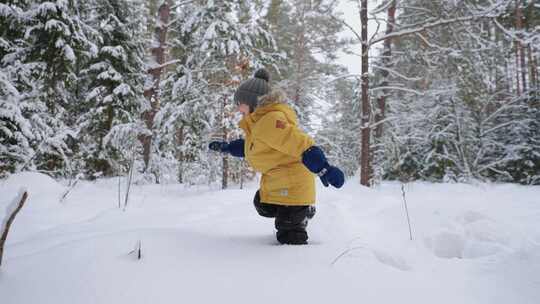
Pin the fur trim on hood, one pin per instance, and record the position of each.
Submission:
(275, 96)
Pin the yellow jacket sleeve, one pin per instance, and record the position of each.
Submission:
(275, 131)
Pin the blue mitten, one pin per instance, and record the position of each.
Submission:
(218, 146)
(315, 160)
(235, 147)
(333, 176)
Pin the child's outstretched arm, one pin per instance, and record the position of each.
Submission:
(315, 160)
(235, 147)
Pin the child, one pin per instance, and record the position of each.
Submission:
(286, 157)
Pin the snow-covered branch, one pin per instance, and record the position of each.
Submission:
(396, 73)
(408, 31)
(397, 89)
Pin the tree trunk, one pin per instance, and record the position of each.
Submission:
(532, 67)
(535, 72)
(242, 175)
(508, 77)
(273, 12)
(516, 70)
(365, 165)
(179, 153)
(536, 92)
(387, 53)
(299, 57)
(225, 172)
(152, 93)
(516, 67)
(520, 49)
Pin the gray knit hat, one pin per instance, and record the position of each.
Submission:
(250, 90)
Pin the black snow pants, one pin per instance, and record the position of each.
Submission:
(291, 221)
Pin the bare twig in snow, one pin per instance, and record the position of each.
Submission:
(11, 212)
(344, 253)
(65, 194)
(119, 192)
(406, 209)
(137, 250)
(130, 178)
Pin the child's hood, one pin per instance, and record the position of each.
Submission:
(274, 101)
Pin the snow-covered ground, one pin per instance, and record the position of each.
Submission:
(472, 244)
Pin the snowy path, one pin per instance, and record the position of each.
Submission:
(472, 244)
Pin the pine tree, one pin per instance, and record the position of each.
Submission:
(54, 43)
(15, 127)
(113, 102)
(42, 67)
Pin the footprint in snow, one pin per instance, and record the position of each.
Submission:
(385, 258)
(392, 261)
(473, 236)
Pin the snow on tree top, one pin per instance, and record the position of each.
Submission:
(69, 54)
(122, 90)
(117, 52)
(44, 9)
(58, 25)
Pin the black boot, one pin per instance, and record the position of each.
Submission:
(292, 237)
(291, 222)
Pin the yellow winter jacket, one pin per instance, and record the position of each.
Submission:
(273, 146)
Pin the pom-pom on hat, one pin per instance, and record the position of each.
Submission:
(250, 90)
